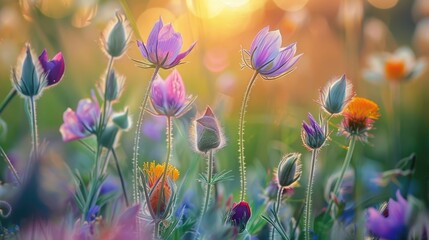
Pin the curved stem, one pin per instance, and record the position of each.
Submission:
(120, 177)
(11, 167)
(136, 193)
(308, 200)
(241, 135)
(209, 184)
(276, 209)
(12, 93)
(343, 170)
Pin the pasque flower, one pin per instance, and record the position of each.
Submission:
(312, 134)
(397, 67)
(359, 116)
(289, 169)
(54, 68)
(169, 97)
(267, 57)
(208, 133)
(335, 96)
(116, 37)
(163, 46)
(83, 122)
(240, 215)
(392, 224)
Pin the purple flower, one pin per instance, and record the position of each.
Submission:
(268, 58)
(163, 46)
(312, 134)
(109, 185)
(169, 97)
(391, 225)
(83, 122)
(54, 69)
(93, 213)
(239, 215)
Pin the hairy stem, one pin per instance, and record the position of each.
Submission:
(308, 200)
(11, 167)
(209, 184)
(346, 164)
(102, 124)
(8, 98)
(34, 135)
(241, 135)
(120, 177)
(136, 179)
(276, 209)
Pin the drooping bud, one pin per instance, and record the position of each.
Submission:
(108, 137)
(117, 37)
(289, 169)
(336, 95)
(208, 134)
(28, 78)
(122, 120)
(240, 215)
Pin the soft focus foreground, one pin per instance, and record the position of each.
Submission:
(214, 119)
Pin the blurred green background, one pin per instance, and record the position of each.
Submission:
(335, 36)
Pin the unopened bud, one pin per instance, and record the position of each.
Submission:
(289, 169)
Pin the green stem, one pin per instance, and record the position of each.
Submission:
(11, 167)
(164, 173)
(6, 101)
(34, 135)
(276, 209)
(209, 184)
(396, 122)
(120, 177)
(308, 200)
(87, 146)
(103, 123)
(136, 192)
(92, 184)
(346, 164)
(130, 18)
(241, 135)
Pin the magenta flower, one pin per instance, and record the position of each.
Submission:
(169, 97)
(83, 122)
(392, 224)
(240, 215)
(163, 46)
(268, 58)
(54, 69)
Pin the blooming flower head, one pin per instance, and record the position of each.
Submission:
(208, 133)
(240, 215)
(335, 96)
(169, 97)
(160, 195)
(268, 58)
(54, 68)
(312, 134)
(163, 46)
(359, 116)
(396, 67)
(83, 122)
(392, 223)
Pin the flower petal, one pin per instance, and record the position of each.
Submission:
(142, 49)
(259, 37)
(152, 41)
(267, 50)
(72, 129)
(169, 45)
(181, 56)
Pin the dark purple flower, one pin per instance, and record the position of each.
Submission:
(54, 69)
(268, 58)
(163, 46)
(240, 215)
(83, 122)
(169, 97)
(391, 225)
(312, 134)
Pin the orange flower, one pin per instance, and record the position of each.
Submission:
(359, 116)
(154, 172)
(394, 69)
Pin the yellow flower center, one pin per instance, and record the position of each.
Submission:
(154, 172)
(394, 69)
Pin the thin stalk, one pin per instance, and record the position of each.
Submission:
(87, 146)
(136, 193)
(209, 184)
(34, 135)
(276, 209)
(130, 18)
(92, 184)
(241, 135)
(102, 122)
(396, 122)
(308, 200)
(120, 177)
(8, 98)
(11, 167)
(346, 164)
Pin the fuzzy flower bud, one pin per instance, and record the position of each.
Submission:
(113, 89)
(289, 169)
(108, 137)
(54, 68)
(117, 37)
(312, 134)
(122, 120)
(240, 215)
(208, 134)
(336, 95)
(28, 78)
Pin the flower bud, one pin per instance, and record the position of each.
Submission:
(122, 120)
(108, 137)
(112, 90)
(28, 77)
(336, 95)
(312, 134)
(117, 38)
(289, 169)
(240, 215)
(208, 133)
(163, 199)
